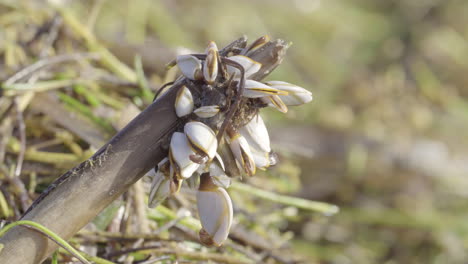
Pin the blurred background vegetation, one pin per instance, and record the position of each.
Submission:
(384, 139)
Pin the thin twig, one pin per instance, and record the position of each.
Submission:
(5, 131)
(193, 255)
(130, 250)
(22, 135)
(47, 62)
(23, 193)
(139, 206)
(103, 236)
(95, 10)
(7, 111)
(151, 261)
(168, 225)
(52, 36)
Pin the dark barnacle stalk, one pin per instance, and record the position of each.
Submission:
(76, 197)
(237, 99)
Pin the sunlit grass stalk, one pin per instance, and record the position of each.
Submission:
(142, 81)
(104, 97)
(67, 139)
(321, 207)
(47, 232)
(107, 58)
(4, 209)
(18, 88)
(55, 257)
(188, 221)
(85, 110)
(43, 156)
(32, 182)
(90, 97)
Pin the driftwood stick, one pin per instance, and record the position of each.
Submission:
(79, 195)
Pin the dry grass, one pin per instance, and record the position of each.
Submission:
(384, 138)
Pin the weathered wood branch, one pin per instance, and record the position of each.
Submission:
(79, 195)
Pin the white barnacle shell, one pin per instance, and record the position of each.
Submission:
(256, 44)
(190, 67)
(160, 187)
(210, 67)
(254, 89)
(160, 190)
(242, 153)
(261, 158)
(250, 66)
(256, 134)
(183, 102)
(207, 111)
(163, 184)
(274, 159)
(179, 154)
(201, 138)
(276, 102)
(296, 95)
(215, 211)
(217, 173)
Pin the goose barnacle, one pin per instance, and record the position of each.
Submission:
(241, 150)
(207, 111)
(160, 187)
(179, 155)
(255, 45)
(215, 211)
(250, 66)
(276, 102)
(295, 95)
(163, 185)
(210, 67)
(261, 158)
(241, 136)
(201, 138)
(256, 134)
(254, 89)
(190, 67)
(183, 102)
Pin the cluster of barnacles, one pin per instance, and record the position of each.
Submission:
(218, 106)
